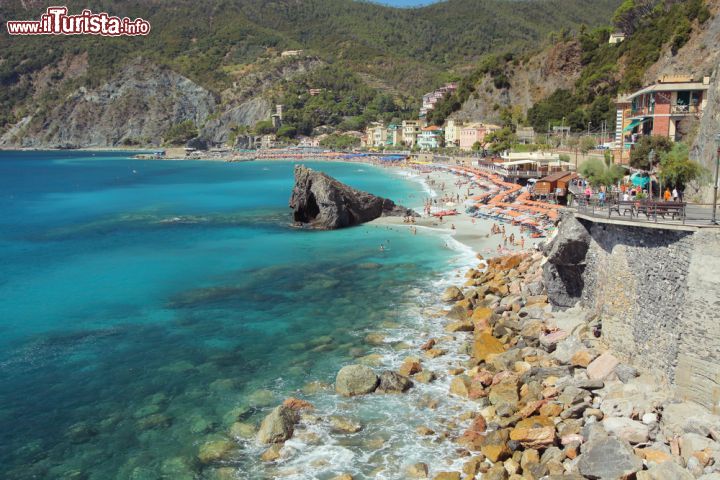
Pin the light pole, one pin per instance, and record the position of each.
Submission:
(651, 159)
(717, 170)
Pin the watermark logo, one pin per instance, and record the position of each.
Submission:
(56, 21)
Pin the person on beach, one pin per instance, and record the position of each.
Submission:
(512, 239)
(499, 249)
(522, 243)
(503, 230)
(452, 226)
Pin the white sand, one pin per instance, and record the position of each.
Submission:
(474, 234)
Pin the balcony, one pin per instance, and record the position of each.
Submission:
(678, 109)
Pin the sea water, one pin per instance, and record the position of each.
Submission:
(146, 307)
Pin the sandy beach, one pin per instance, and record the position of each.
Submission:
(471, 232)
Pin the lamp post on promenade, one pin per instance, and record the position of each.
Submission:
(715, 186)
(651, 159)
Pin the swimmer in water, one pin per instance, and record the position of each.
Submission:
(382, 247)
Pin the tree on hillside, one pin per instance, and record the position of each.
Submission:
(180, 133)
(263, 127)
(677, 169)
(628, 16)
(500, 140)
(599, 172)
(641, 151)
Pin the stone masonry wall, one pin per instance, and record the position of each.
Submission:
(636, 281)
(698, 370)
(657, 294)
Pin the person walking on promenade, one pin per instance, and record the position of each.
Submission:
(675, 195)
(667, 195)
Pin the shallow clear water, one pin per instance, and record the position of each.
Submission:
(147, 305)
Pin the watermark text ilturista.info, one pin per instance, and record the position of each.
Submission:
(56, 21)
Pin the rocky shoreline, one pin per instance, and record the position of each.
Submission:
(542, 396)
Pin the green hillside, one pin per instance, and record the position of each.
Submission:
(408, 50)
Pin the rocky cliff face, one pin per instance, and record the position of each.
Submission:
(322, 202)
(556, 67)
(563, 272)
(138, 105)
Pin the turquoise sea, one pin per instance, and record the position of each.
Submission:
(148, 306)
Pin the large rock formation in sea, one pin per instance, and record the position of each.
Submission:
(324, 203)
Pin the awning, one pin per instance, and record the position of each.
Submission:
(632, 125)
(517, 162)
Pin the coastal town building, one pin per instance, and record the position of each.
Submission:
(430, 138)
(292, 53)
(277, 117)
(521, 166)
(474, 133)
(616, 37)
(377, 135)
(394, 135)
(527, 134)
(430, 99)
(452, 133)
(410, 131)
(671, 107)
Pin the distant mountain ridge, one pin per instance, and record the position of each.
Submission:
(216, 44)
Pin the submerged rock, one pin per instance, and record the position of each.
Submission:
(344, 425)
(215, 451)
(326, 204)
(354, 380)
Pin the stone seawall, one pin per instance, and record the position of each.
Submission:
(656, 293)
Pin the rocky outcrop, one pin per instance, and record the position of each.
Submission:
(137, 106)
(322, 202)
(563, 272)
(250, 112)
(356, 380)
(278, 426)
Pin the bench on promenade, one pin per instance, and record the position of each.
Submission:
(622, 207)
(672, 209)
(654, 209)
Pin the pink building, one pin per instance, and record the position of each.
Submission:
(475, 132)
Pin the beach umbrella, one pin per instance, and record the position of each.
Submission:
(640, 179)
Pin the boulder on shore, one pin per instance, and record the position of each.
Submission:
(563, 271)
(324, 203)
(608, 458)
(278, 426)
(391, 382)
(356, 380)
